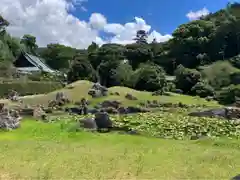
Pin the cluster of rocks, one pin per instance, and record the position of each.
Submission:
(111, 107)
(159, 104)
(9, 119)
(13, 95)
(60, 100)
(102, 122)
(98, 90)
(226, 113)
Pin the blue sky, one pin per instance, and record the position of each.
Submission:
(162, 15)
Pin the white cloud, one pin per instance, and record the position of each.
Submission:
(125, 33)
(197, 14)
(97, 21)
(51, 22)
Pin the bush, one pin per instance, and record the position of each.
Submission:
(202, 89)
(186, 78)
(219, 74)
(150, 77)
(229, 94)
(29, 87)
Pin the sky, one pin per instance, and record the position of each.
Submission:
(78, 23)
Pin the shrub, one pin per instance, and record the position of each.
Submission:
(202, 89)
(186, 78)
(150, 77)
(229, 94)
(219, 74)
(28, 87)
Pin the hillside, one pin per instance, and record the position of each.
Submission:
(79, 89)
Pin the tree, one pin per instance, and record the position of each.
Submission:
(58, 56)
(3, 24)
(80, 69)
(186, 78)
(30, 42)
(150, 77)
(141, 37)
(123, 75)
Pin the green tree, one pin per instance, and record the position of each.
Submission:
(58, 56)
(30, 43)
(81, 69)
(141, 37)
(186, 78)
(150, 77)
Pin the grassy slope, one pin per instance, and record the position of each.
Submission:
(44, 151)
(81, 88)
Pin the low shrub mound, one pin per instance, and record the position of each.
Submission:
(29, 87)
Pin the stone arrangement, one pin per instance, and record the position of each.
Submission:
(9, 119)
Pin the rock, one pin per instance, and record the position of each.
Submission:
(26, 111)
(116, 94)
(9, 120)
(130, 97)
(73, 110)
(13, 95)
(103, 121)
(237, 177)
(88, 123)
(95, 93)
(131, 110)
(178, 91)
(38, 113)
(93, 111)
(98, 90)
(114, 104)
(227, 113)
(110, 110)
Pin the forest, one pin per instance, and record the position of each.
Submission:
(202, 59)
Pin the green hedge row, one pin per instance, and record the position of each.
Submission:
(28, 87)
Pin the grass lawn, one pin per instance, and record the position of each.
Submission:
(45, 151)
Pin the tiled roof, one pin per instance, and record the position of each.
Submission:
(37, 62)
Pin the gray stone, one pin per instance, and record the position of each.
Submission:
(88, 123)
(103, 121)
(114, 104)
(9, 120)
(130, 97)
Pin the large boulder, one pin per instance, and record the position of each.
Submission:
(103, 120)
(88, 123)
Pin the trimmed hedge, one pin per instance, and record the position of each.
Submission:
(28, 87)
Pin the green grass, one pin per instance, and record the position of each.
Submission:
(80, 90)
(45, 151)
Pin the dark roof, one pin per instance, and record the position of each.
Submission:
(38, 63)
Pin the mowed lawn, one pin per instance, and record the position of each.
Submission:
(48, 151)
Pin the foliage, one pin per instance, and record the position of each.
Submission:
(150, 77)
(219, 74)
(28, 87)
(186, 78)
(124, 75)
(202, 89)
(81, 69)
(30, 43)
(141, 37)
(229, 95)
(58, 56)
